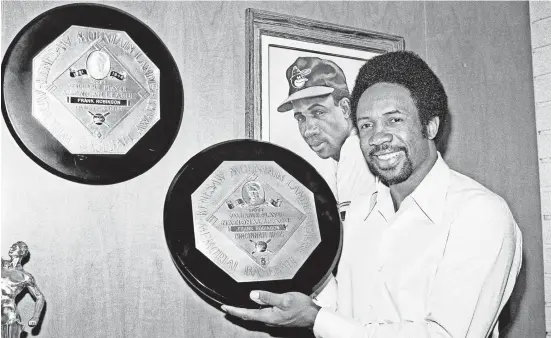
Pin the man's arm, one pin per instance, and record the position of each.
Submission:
(39, 301)
(472, 282)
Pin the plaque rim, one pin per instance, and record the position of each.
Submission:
(174, 79)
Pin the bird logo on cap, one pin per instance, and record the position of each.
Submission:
(298, 77)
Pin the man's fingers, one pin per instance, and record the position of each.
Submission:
(269, 298)
(236, 311)
(255, 296)
(262, 315)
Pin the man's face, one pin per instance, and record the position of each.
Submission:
(322, 124)
(254, 195)
(390, 133)
(15, 251)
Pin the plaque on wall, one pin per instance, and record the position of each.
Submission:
(248, 215)
(91, 94)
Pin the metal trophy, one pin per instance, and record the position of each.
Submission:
(14, 280)
(245, 215)
(91, 94)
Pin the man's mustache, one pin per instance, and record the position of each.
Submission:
(387, 148)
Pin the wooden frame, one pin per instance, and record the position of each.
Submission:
(262, 23)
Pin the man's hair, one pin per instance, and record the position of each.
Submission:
(338, 95)
(410, 71)
(23, 247)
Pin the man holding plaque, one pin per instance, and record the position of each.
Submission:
(432, 253)
(320, 100)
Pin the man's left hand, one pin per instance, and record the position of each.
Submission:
(292, 309)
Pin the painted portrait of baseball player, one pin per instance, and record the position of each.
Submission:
(309, 113)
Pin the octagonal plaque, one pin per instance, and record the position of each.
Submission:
(248, 215)
(95, 91)
(91, 94)
(255, 221)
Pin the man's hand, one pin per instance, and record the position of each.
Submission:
(33, 321)
(292, 309)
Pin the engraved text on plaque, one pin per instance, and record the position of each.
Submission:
(255, 221)
(95, 91)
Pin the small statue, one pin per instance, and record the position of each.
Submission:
(15, 280)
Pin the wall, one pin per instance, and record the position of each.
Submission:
(540, 22)
(98, 252)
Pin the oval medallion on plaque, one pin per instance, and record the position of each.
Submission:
(91, 94)
(245, 215)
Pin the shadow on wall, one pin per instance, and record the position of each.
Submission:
(442, 145)
(35, 330)
(279, 332)
(511, 309)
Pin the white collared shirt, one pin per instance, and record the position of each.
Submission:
(443, 265)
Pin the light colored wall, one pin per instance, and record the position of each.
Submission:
(540, 22)
(98, 252)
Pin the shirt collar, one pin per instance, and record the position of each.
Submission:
(381, 200)
(430, 194)
(353, 137)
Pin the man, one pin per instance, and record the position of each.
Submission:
(253, 193)
(14, 280)
(319, 98)
(431, 253)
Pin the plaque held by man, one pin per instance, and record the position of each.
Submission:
(245, 215)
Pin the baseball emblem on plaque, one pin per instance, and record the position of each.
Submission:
(245, 215)
(91, 94)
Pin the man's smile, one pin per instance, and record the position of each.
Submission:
(387, 158)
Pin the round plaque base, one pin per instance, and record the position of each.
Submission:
(82, 96)
(247, 215)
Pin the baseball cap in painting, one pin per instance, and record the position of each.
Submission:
(310, 77)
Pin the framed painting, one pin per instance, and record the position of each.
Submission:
(274, 42)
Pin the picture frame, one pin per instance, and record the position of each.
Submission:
(273, 42)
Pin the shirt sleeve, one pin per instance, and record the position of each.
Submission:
(473, 281)
(327, 297)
